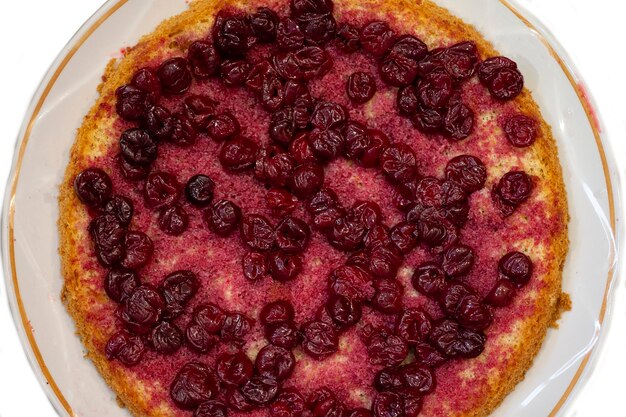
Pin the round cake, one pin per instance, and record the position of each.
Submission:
(318, 208)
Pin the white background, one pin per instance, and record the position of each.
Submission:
(593, 32)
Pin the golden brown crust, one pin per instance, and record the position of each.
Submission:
(173, 34)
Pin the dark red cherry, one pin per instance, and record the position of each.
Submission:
(467, 171)
(275, 169)
(435, 90)
(272, 93)
(183, 131)
(310, 9)
(502, 293)
(197, 108)
(234, 368)
(292, 235)
(120, 283)
(263, 24)
(211, 408)
(222, 126)
(429, 279)
(289, 403)
(236, 327)
(300, 149)
(142, 309)
(398, 163)
(460, 60)
(397, 70)
(427, 355)
(410, 47)
(428, 120)
(232, 35)
(254, 266)
(351, 282)
(174, 75)
(238, 154)
(473, 314)
(386, 349)
(238, 402)
(320, 339)
(235, 72)
(203, 59)
(388, 404)
(174, 220)
(384, 261)
(285, 335)
(108, 235)
(303, 64)
(131, 102)
(199, 190)
(120, 207)
(257, 232)
(93, 187)
(377, 37)
(514, 187)
(147, 80)
(357, 140)
(161, 190)
(361, 87)
(388, 379)
(137, 147)
(210, 317)
(377, 236)
(417, 379)
(517, 267)
(138, 250)
(366, 212)
(324, 403)
(388, 296)
(280, 202)
(326, 145)
(275, 362)
(282, 126)
(520, 130)
(276, 312)
(166, 338)
(458, 260)
(289, 36)
(283, 266)
(458, 122)
(347, 233)
(414, 325)
(159, 122)
(199, 339)
(507, 84)
(306, 180)
(260, 390)
(344, 312)
(405, 236)
(377, 143)
(348, 38)
(318, 30)
(223, 217)
(454, 341)
(489, 68)
(328, 115)
(194, 384)
(177, 289)
(126, 348)
(452, 295)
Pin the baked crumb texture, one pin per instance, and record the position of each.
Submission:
(490, 377)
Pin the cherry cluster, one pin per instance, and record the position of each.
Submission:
(305, 135)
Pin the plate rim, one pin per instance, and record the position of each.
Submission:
(20, 318)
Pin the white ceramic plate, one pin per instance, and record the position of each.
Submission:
(30, 240)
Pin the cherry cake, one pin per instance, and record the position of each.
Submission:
(314, 208)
